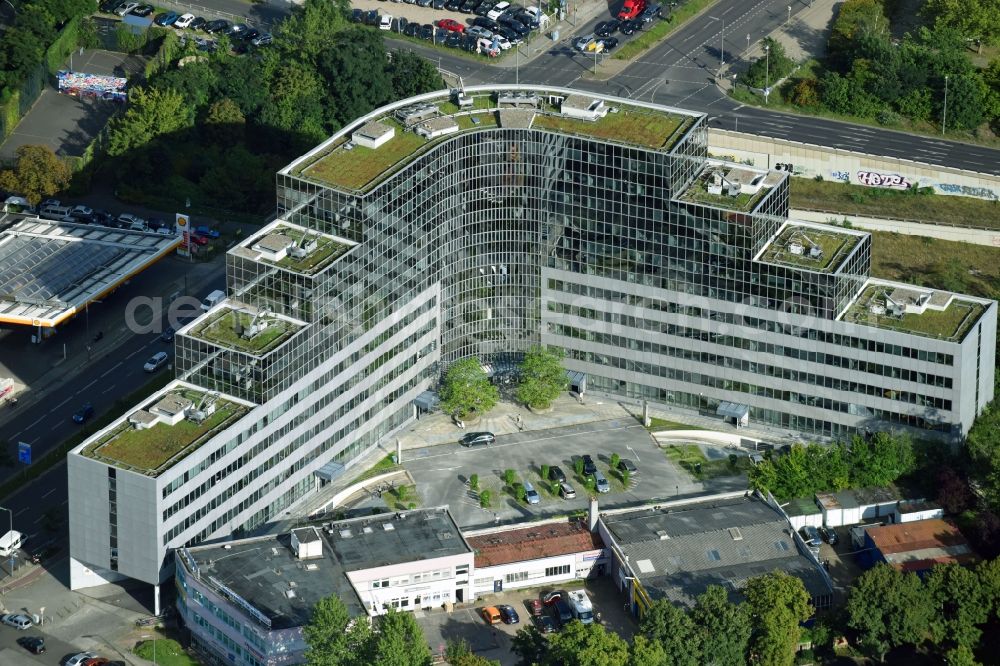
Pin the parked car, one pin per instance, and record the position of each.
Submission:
(478, 439)
(156, 361)
(484, 22)
(515, 25)
(427, 31)
(130, 221)
(607, 28)
(438, 4)
(561, 612)
(510, 35)
(125, 8)
(566, 491)
(263, 39)
(651, 12)
(79, 658)
(479, 32)
(483, 8)
(84, 413)
(166, 19)
(453, 5)
(143, 10)
(469, 6)
(811, 536)
(502, 42)
(385, 22)
(96, 661)
(184, 21)
(451, 24)
(609, 44)
(454, 40)
(412, 30)
(424, 3)
(630, 27)
(198, 23)
(16, 620)
(218, 25)
(198, 239)
(357, 15)
(527, 19)
(601, 483)
(582, 42)
(755, 458)
(168, 334)
(828, 535)
(109, 6)
(498, 10)
(33, 644)
(589, 468)
(490, 615)
(549, 598)
(545, 624)
(508, 614)
(631, 9)
(626, 465)
(556, 474)
(535, 606)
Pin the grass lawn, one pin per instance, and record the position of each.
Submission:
(383, 466)
(401, 497)
(327, 249)
(692, 459)
(835, 247)
(485, 120)
(698, 192)
(152, 447)
(168, 653)
(356, 168)
(849, 199)
(220, 330)
(629, 125)
(656, 425)
(951, 323)
(961, 267)
(478, 102)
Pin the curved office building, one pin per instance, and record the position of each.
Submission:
(481, 223)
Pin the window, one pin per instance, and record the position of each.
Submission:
(557, 571)
(380, 583)
(462, 570)
(516, 577)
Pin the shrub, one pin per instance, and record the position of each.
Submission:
(625, 476)
(733, 459)
(474, 482)
(544, 472)
(509, 476)
(484, 499)
(520, 493)
(578, 466)
(806, 93)
(615, 459)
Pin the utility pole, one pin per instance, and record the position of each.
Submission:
(789, 13)
(767, 72)
(944, 117)
(722, 43)
(748, 41)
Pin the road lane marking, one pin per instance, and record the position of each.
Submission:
(86, 387)
(111, 369)
(134, 353)
(35, 423)
(51, 490)
(54, 426)
(59, 405)
(21, 511)
(110, 388)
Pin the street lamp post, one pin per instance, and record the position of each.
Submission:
(722, 42)
(944, 117)
(789, 13)
(748, 41)
(767, 72)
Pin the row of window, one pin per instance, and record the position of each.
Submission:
(620, 342)
(521, 576)
(744, 321)
(223, 640)
(400, 581)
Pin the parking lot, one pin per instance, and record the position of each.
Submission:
(440, 627)
(68, 124)
(442, 472)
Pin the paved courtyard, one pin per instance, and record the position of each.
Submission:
(442, 472)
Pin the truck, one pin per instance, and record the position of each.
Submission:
(580, 604)
(10, 543)
(631, 9)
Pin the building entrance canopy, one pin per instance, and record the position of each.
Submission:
(740, 414)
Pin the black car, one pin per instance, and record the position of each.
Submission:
(588, 465)
(516, 26)
(470, 43)
(468, 6)
(372, 18)
(198, 23)
(438, 4)
(103, 218)
(652, 11)
(168, 334)
(250, 35)
(218, 25)
(109, 6)
(470, 439)
(427, 32)
(484, 22)
(527, 19)
(626, 465)
(483, 8)
(441, 35)
(556, 474)
(453, 5)
(33, 644)
(630, 27)
(143, 10)
(607, 28)
(513, 37)
(610, 44)
(828, 535)
(508, 614)
(400, 24)
(411, 29)
(561, 613)
(357, 15)
(546, 625)
(454, 40)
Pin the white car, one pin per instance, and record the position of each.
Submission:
(126, 8)
(385, 22)
(78, 659)
(184, 21)
(81, 210)
(498, 10)
(156, 361)
(16, 620)
(502, 41)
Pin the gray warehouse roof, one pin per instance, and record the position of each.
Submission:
(678, 552)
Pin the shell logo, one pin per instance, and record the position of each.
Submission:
(182, 220)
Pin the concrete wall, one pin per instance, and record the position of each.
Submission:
(848, 166)
(580, 565)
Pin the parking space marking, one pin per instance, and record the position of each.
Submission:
(633, 452)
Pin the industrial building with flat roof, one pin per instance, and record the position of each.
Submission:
(578, 221)
(915, 546)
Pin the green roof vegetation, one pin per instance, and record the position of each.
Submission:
(631, 125)
(698, 192)
(951, 324)
(327, 250)
(151, 449)
(834, 245)
(355, 168)
(220, 329)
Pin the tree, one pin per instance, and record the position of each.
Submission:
(770, 67)
(722, 626)
(976, 19)
(530, 645)
(38, 173)
(586, 645)
(961, 656)
(485, 497)
(333, 639)
(888, 608)
(467, 390)
(509, 477)
(645, 652)
(224, 122)
(355, 70)
(615, 459)
(960, 605)
(670, 627)
(880, 460)
(399, 641)
(778, 603)
(542, 377)
(983, 447)
(151, 113)
(413, 75)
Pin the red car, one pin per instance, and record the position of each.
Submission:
(631, 9)
(199, 240)
(451, 24)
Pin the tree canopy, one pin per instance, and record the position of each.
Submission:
(888, 608)
(467, 390)
(542, 377)
(778, 604)
(335, 639)
(37, 173)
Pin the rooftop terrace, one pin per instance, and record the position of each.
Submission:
(738, 188)
(151, 450)
(327, 248)
(935, 314)
(812, 247)
(246, 330)
(346, 164)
